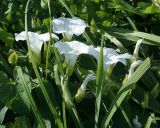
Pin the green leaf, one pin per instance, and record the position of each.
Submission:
(3, 113)
(7, 90)
(6, 37)
(20, 88)
(22, 122)
(149, 121)
(29, 98)
(134, 35)
(152, 10)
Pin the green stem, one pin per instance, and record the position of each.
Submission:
(131, 22)
(64, 114)
(44, 91)
(49, 43)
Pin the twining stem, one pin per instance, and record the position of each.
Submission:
(44, 91)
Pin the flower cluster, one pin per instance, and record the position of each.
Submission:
(72, 49)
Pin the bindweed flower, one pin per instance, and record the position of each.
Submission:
(69, 26)
(73, 49)
(136, 123)
(81, 91)
(110, 57)
(36, 41)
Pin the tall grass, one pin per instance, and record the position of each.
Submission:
(48, 99)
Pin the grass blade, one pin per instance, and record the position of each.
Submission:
(150, 119)
(44, 91)
(134, 35)
(99, 84)
(124, 90)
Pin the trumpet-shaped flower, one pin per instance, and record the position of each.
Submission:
(69, 26)
(36, 41)
(81, 91)
(110, 57)
(73, 49)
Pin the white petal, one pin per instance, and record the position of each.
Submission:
(35, 42)
(72, 50)
(69, 25)
(63, 47)
(45, 37)
(110, 56)
(21, 36)
(71, 59)
(122, 58)
(74, 46)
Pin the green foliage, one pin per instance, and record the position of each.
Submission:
(44, 95)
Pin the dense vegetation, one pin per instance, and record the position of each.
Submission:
(43, 90)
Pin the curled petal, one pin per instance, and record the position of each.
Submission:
(45, 37)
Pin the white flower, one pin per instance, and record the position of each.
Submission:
(69, 26)
(36, 41)
(73, 49)
(136, 123)
(81, 91)
(110, 56)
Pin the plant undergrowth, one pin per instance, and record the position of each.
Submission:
(80, 64)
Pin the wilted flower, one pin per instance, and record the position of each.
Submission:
(133, 66)
(73, 49)
(69, 26)
(81, 91)
(136, 50)
(36, 41)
